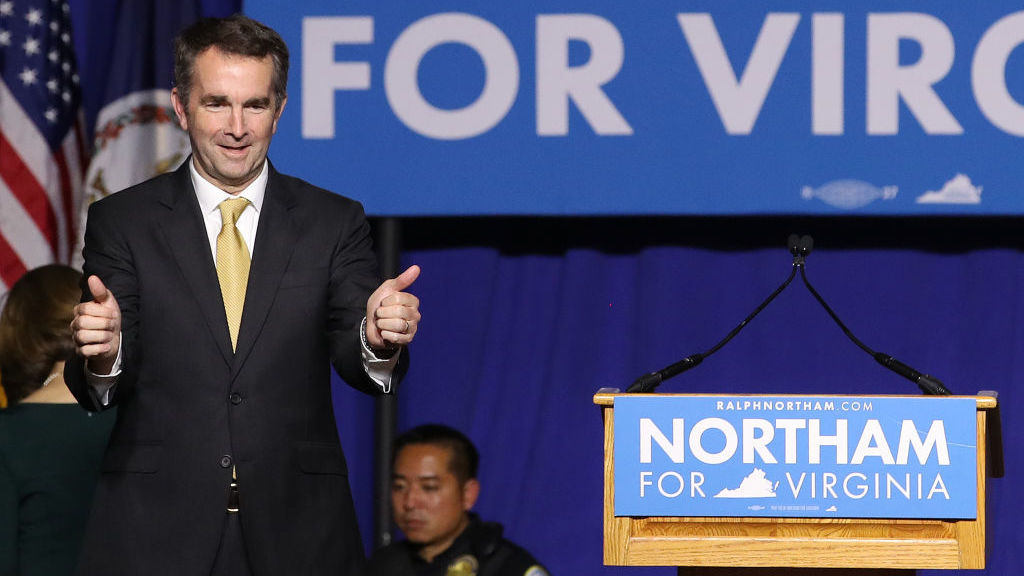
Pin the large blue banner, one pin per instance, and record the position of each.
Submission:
(659, 107)
(827, 456)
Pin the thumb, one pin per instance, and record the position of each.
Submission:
(405, 279)
(99, 291)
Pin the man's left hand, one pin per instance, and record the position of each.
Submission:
(392, 315)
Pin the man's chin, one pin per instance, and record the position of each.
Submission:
(416, 536)
(237, 178)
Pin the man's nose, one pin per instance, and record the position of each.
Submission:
(236, 122)
(409, 500)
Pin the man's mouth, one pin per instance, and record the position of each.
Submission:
(235, 149)
(412, 524)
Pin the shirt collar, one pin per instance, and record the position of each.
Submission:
(209, 195)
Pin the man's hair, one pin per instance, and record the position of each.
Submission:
(464, 457)
(35, 327)
(235, 35)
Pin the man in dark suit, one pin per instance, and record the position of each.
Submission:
(225, 458)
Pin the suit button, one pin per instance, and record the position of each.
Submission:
(225, 461)
(235, 398)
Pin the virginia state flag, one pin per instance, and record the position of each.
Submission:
(136, 134)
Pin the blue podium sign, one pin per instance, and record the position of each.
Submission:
(796, 456)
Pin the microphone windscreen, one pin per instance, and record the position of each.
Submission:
(794, 244)
(806, 245)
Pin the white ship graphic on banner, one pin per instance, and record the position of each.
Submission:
(849, 194)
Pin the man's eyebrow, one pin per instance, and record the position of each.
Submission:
(264, 102)
(397, 476)
(213, 99)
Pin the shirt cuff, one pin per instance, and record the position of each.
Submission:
(377, 368)
(103, 385)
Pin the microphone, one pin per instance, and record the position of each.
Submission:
(930, 385)
(648, 382)
(800, 247)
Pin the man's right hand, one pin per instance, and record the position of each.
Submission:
(96, 328)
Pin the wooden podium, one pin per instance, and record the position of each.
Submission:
(703, 545)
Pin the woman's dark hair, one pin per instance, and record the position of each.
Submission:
(35, 327)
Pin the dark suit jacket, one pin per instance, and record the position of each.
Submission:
(189, 408)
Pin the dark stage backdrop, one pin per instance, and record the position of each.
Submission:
(525, 318)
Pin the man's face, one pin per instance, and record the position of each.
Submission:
(429, 504)
(230, 117)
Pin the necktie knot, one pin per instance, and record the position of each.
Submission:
(231, 209)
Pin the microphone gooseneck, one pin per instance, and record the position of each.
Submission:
(648, 382)
(800, 247)
(928, 384)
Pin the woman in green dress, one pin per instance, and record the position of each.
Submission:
(50, 448)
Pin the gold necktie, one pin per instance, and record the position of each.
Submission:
(232, 264)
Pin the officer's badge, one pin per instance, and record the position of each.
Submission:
(465, 565)
(535, 571)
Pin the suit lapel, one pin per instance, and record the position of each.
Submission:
(186, 237)
(275, 240)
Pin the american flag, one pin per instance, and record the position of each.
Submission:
(42, 147)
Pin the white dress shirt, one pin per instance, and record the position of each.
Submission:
(210, 196)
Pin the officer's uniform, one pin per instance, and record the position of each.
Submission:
(478, 551)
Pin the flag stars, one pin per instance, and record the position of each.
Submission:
(27, 76)
(31, 46)
(34, 17)
(36, 38)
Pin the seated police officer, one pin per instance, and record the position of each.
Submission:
(433, 488)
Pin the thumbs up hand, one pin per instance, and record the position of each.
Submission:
(392, 315)
(96, 327)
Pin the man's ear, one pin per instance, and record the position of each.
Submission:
(179, 109)
(277, 115)
(470, 492)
